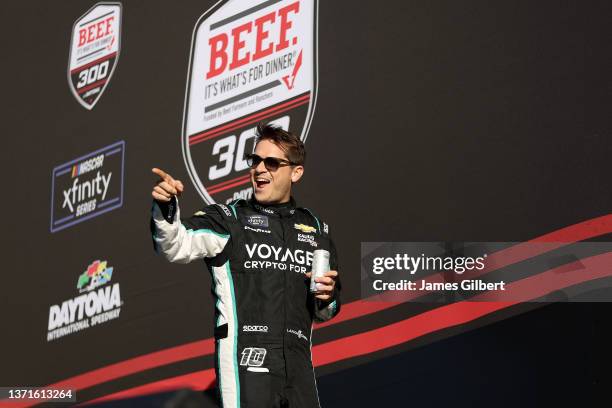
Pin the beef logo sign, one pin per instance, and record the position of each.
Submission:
(88, 186)
(94, 52)
(250, 62)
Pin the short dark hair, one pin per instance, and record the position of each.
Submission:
(286, 141)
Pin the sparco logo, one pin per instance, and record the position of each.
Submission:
(250, 61)
(88, 186)
(261, 329)
(264, 256)
(94, 52)
(96, 305)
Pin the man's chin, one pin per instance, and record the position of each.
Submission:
(261, 197)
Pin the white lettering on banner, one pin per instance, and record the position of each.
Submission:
(238, 37)
(85, 305)
(86, 190)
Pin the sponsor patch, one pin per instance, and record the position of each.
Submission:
(258, 220)
(304, 228)
(255, 328)
(225, 209)
(94, 52)
(265, 231)
(308, 238)
(253, 356)
(298, 333)
(88, 186)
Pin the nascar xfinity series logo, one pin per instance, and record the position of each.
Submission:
(87, 187)
(94, 52)
(251, 61)
(97, 303)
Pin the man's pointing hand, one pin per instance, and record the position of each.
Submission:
(166, 187)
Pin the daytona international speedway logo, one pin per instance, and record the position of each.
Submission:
(250, 62)
(97, 303)
(94, 52)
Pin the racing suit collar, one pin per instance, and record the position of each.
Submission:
(280, 210)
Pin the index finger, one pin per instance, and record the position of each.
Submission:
(165, 176)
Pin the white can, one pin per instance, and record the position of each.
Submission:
(320, 265)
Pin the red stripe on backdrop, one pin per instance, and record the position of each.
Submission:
(200, 380)
(594, 267)
(578, 232)
(200, 137)
(95, 84)
(242, 180)
(94, 62)
(564, 236)
(134, 365)
(228, 181)
(238, 183)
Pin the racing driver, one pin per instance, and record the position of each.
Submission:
(259, 253)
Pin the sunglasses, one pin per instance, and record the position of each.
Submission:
(271, 163)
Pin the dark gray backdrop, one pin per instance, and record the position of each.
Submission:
(442, 120)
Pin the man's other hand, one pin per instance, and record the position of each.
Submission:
(325, 284)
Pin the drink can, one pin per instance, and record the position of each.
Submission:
(320, 265)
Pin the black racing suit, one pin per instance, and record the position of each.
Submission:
(257, 256)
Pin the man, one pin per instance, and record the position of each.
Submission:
(259, 253)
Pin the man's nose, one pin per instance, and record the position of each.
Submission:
(261, 168)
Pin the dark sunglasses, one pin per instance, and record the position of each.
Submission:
(271, 163)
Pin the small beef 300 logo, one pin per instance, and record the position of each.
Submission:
(94, 52)
(251, 61)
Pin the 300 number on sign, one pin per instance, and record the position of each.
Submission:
(92, 74)
(230, 157)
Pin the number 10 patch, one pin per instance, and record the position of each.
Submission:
(94, 51)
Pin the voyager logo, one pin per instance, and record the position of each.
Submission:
(90, 308)
(87, 187)
(273, 257)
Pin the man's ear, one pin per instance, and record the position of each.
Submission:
(297, 173)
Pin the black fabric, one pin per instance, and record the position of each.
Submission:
(168, 209)
(221, 332)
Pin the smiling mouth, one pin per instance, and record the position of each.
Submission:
(261, 182)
